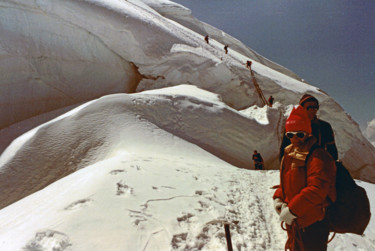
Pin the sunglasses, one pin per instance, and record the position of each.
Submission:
(300, 135)
(312, 107)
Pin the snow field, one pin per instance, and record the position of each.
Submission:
(140, 203)
(119, 173)
(152, 202)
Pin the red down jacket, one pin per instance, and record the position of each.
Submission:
(305, 189)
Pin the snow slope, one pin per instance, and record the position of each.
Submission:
(156, 168)
(56, 54)
(184, 111)
(148, 189)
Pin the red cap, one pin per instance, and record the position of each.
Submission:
(298, 121)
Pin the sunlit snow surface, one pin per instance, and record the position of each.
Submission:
(152, 190)
(151, 202)
(149, 170)
(56, 54)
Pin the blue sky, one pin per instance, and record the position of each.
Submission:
(330, 44)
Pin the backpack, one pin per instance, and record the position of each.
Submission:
(350, 213)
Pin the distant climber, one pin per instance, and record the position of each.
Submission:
(258, 161)
(226, 48)
(322, 130)
(206, 39)
(270, 101)
(248, 64)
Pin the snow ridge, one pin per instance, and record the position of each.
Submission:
(162, 164)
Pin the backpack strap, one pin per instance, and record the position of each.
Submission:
(319, 134)
(312, 149)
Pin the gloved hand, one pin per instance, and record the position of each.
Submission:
(278, 204)
(286, 215)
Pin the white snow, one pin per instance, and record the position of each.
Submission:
(155, 166)
(58, 54)
(186, 90)
(259, 114)
(150, 190)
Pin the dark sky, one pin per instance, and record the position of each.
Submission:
(330, 44)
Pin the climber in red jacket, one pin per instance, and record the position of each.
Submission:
(305, 186)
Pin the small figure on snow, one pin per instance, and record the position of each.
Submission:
(226, 49)
(248, 64)
(270, 101)
(206, 39)
(258, 161)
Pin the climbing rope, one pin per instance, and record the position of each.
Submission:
(257, 88)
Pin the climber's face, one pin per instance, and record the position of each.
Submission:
(297, 138)
(311, 108)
